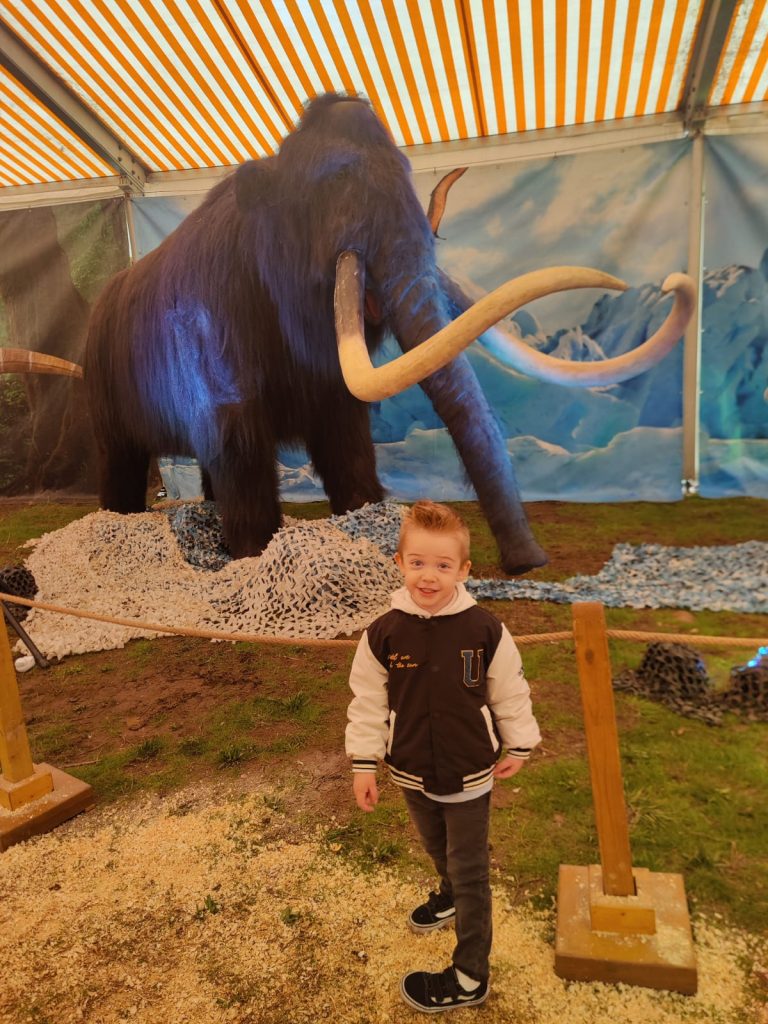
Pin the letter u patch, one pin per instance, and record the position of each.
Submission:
(472, 663)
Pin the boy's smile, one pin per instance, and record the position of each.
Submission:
(431, 563)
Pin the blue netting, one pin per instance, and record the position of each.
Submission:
(732, 577)
(727, 578)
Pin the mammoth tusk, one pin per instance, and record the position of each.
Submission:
(522, 357)
(439, 196)
(21, 360)
(372, 384)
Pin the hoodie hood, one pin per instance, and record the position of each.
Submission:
(403, 602)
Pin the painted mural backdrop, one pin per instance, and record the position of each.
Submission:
(621, 211)
(53, 263)
(624, 212)
(734, 379)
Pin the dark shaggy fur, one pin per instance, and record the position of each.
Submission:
(220, 343)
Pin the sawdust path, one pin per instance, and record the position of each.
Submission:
(211, 906)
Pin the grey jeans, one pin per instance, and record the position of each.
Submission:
(456, 838)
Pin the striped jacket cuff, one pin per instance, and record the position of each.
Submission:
(523, 753)
(363, 764)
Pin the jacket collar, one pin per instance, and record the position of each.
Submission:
(402, 601)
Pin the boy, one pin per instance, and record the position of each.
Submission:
(438, 691)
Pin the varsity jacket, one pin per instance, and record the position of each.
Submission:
(438, 696)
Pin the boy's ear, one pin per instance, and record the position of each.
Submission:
(398, 561)
(464, 570)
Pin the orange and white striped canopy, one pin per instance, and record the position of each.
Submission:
(189, 84)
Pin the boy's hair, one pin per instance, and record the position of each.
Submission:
(430, 515)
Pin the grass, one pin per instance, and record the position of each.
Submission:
(373, 840)
(143, 767)
(148, 750)
(30, 522)
(53, 742)
(695, 794)
(695, 801)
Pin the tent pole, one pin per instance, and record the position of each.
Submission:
(692, 346)
(130, 225)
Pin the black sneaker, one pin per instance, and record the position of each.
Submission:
(437, 912)
(433, 993)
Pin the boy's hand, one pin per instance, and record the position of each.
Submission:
(508, 767)
(365, 790)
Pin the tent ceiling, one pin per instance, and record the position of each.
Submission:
(91, 88)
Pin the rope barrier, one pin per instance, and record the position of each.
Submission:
(156, 627)
(687, 638)
(257, 638)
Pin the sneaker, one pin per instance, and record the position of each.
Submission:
(437, 912)
(433, 993)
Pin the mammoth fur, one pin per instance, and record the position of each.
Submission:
(220, 343)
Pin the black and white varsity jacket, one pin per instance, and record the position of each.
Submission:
(438, 696)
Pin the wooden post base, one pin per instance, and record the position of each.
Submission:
(662, 959)
(14, 795)
(68, 797)
(632, 915)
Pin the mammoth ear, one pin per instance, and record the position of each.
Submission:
(253, 183)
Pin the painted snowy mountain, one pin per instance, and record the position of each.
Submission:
(617, 443)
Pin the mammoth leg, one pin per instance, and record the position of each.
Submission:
(459, 401)
(342, 452)
(123, 479)
(207, 485)
(244, 479)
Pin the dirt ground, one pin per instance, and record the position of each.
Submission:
(174, 905)
(105, 702)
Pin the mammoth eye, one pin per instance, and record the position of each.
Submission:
(335, 164)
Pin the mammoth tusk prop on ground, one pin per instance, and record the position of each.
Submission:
(372, 384)
(20, 360)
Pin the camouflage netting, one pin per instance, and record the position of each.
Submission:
(675, 675)
(199, 533)
(15, 579)
(312, 580)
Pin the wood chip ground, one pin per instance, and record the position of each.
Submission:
(208, 907)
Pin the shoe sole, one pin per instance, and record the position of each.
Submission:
(422, 929)
(441, 1009)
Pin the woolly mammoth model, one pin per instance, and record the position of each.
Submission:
(220, 343)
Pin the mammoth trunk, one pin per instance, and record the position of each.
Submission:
(461, 404)
(459, 401)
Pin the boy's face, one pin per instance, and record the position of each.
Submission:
(431, 563)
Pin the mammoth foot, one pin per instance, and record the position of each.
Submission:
(521, 558)
(244, 546)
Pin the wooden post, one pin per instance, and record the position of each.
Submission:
(613, 923)
(33, 798)
(15, 756)
(594, 665)
(20, 782)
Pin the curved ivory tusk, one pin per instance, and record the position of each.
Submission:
(20, 360)
(372, 384)
(523, 357)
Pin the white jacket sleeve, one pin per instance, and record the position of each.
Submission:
(509, 699)
(368, 714)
